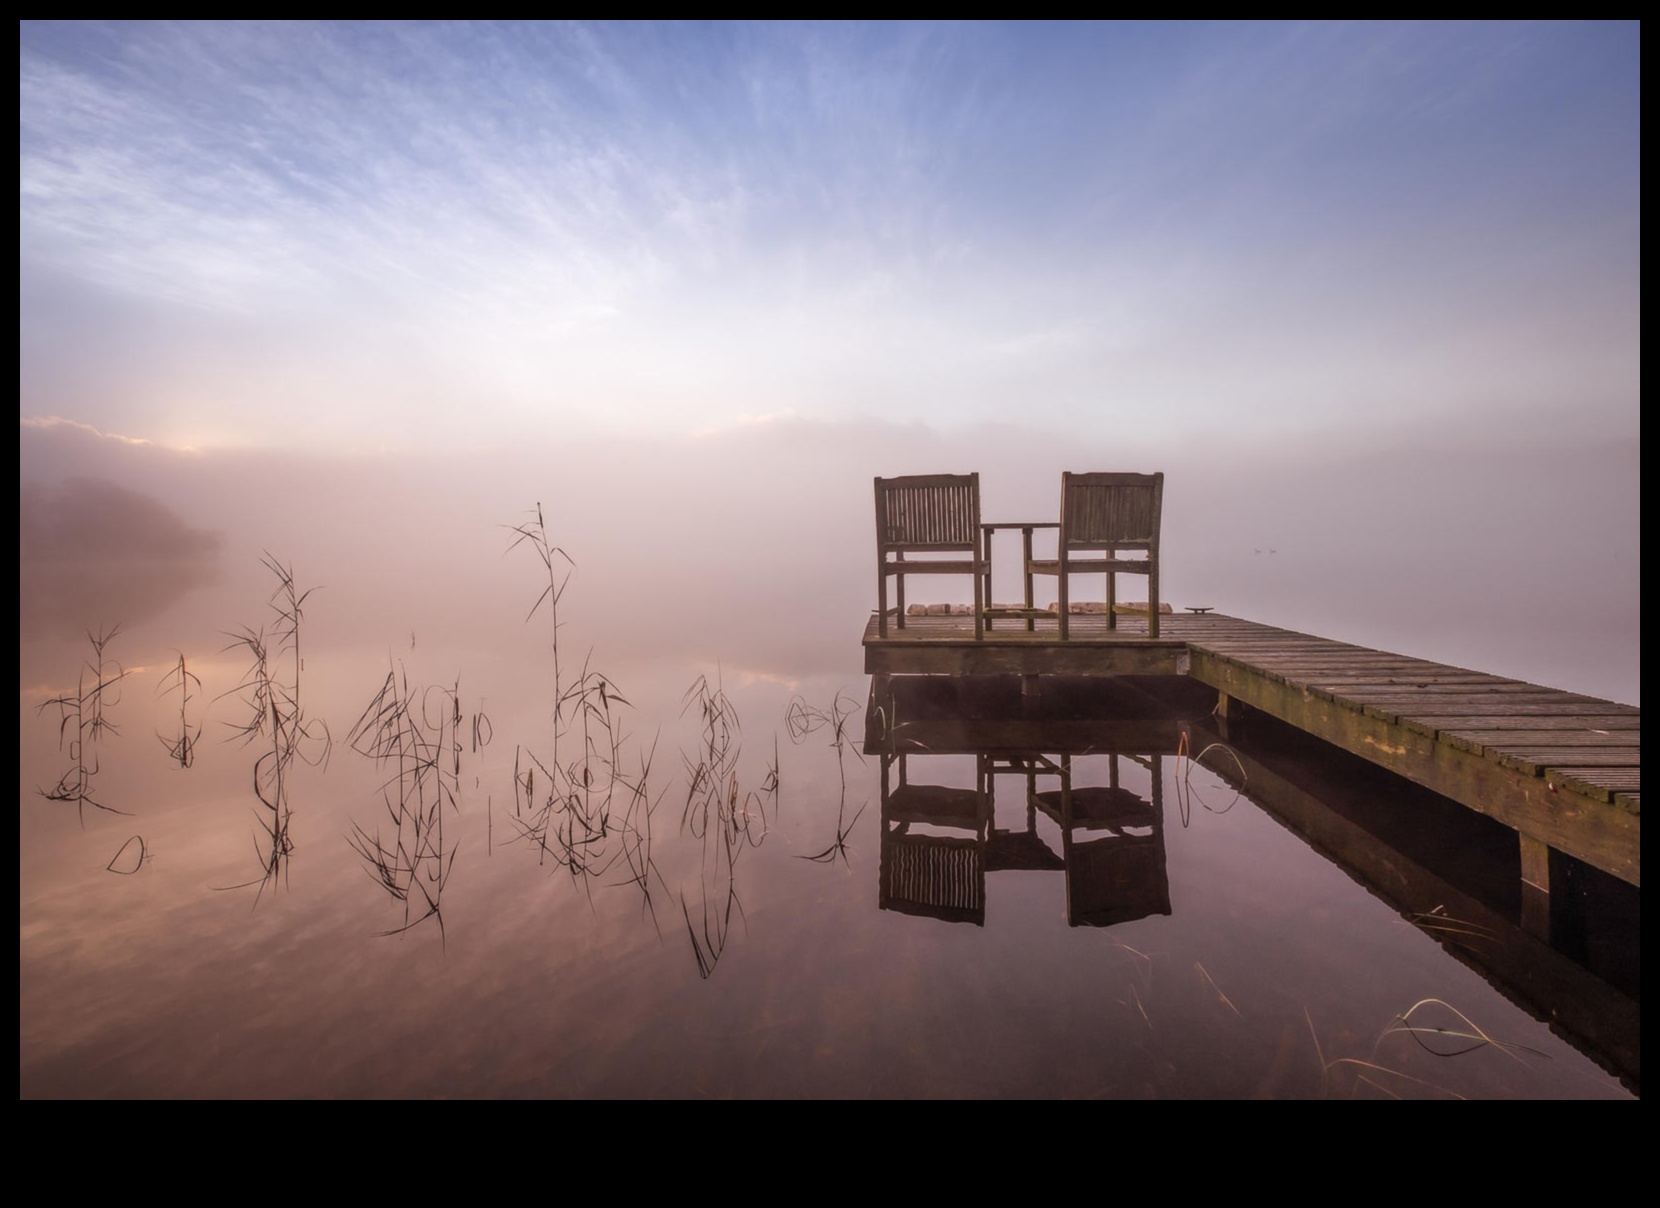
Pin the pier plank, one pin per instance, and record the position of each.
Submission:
(1560, 768)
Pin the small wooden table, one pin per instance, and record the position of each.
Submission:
(1027, 612)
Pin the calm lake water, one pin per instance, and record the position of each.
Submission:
(747, 915)
(740, 929)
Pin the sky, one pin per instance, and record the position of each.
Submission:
(1333, 279)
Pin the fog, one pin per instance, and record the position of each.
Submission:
(751, 548)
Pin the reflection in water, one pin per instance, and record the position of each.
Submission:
(415, 737)
(1222, 944)
(1449, 872)
(181, 748)
(589, 812)
(82, 724)
(1453, 874)
(722, 815)
(133, 855)
(92, 549)
(802, 719)
(939, 843)
(276, 721)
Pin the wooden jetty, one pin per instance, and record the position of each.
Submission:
(1561, 770)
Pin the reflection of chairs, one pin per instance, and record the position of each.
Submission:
(924, 872)
(927, 514)
(1105, 514)
(1119, 874)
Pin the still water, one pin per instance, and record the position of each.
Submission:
(719, 909)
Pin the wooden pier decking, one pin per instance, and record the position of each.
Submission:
(1562, 770)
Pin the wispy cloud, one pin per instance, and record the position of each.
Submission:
(626, 226)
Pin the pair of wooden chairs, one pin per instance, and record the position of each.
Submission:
(930, 525)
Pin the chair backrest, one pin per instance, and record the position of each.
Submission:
(1120, 511)
(934, 876)
(928, 512)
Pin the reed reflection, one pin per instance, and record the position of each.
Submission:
(276, 722)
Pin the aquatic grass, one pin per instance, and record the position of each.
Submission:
(636, 838)
(82, 724)
(1437, 1039)
(276, 719)
(130, 861)
(1456, 1040)
(181, 749)
(1205, 979)
(1186, 794)
(719, 899)
(1438, 923)
(576, 805)
(724, 817)
(587, 810)
(712, 780)
(416, 734)
(801, 720)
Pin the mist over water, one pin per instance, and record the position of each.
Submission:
(753, 547)
(316, 320)
(742, 557)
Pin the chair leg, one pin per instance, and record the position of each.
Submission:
(882, 602)
(1112, 595)
(1153, 599)
(983, 581)
(1066, 601)
(979, 608)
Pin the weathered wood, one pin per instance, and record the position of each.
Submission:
(927, 514)
(1560, 768)
(995, 657)
(1534, 805)
(1546, 983)
(1101, 515)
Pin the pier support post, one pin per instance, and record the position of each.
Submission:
(1535, 886)
(1229, 713)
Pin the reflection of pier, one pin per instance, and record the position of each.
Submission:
(939, 841)
(1449, 871)
(1434, 864)
(1560, 770)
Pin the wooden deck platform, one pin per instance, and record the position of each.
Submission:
(1561, 770)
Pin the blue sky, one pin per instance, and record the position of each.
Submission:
(367, 237)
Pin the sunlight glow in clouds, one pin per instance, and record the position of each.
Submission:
(369, 236)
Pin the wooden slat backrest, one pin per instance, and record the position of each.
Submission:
(1111, 510)
(928, 512)
(935, 871)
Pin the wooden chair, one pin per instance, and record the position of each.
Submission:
(1103, 515)
(927, 514)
